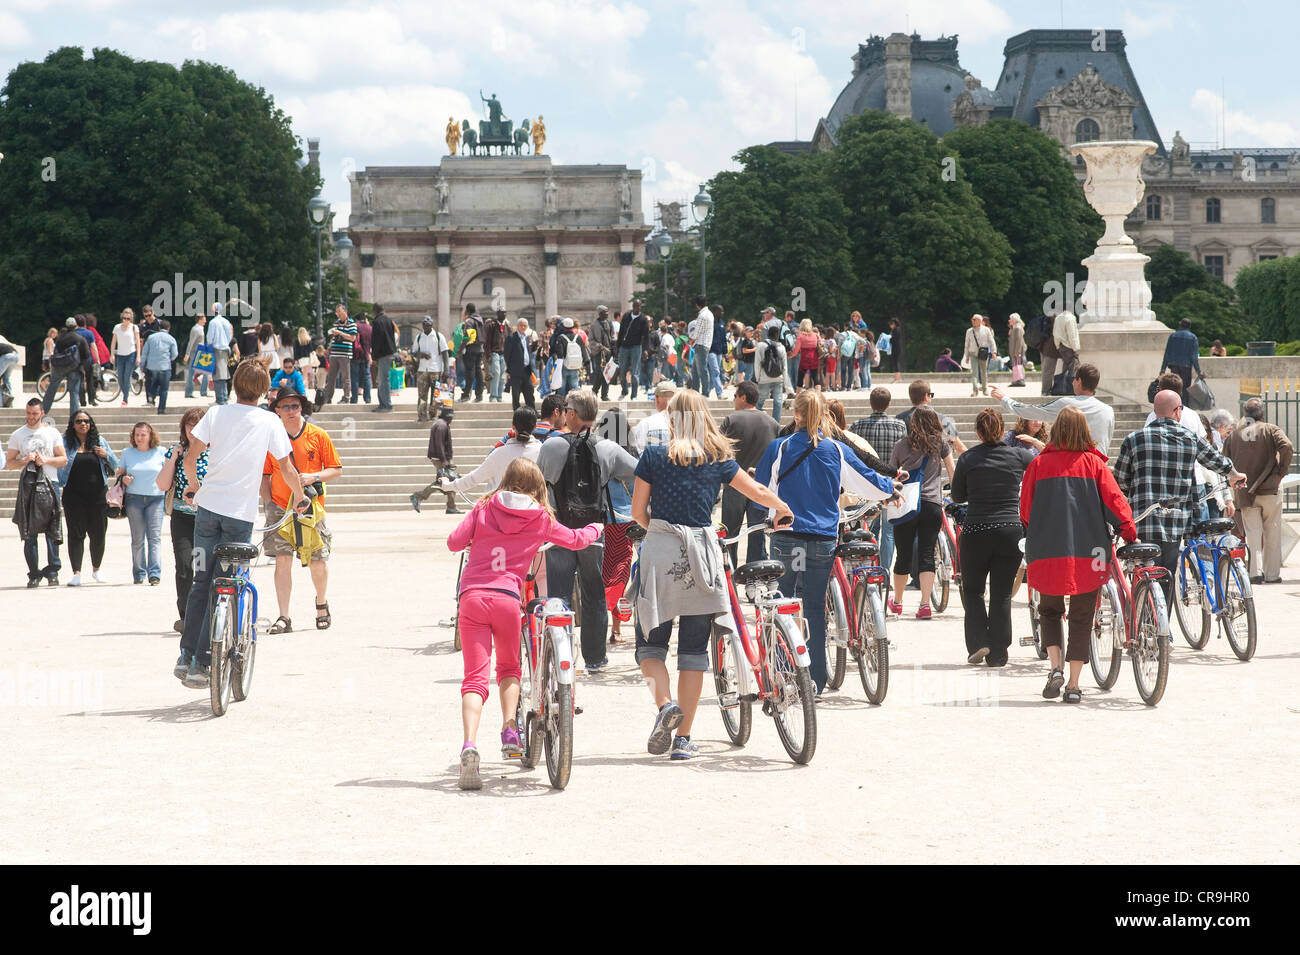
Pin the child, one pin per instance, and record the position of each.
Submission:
(506, 530)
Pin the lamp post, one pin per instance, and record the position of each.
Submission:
(344, 249)
(683, 276)
(319, 211)
(664, 243)
(701, 206)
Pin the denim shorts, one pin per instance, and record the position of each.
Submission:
(693, 632)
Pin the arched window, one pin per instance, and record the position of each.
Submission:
(487, 286)
(1267, 210)
(1211, 210)
(1087, 131)
(1153, 208)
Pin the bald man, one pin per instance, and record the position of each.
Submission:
(1156, 465)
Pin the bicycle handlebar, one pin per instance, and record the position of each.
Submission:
(766, 527)
(309, 492)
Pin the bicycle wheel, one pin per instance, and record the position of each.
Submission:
(1106, 648)
(557, 701)
(1020, 579)
(1187, 595)
(528, 729)
(222, 632)
(1150, 643)
(108, 385)
(137, 383)
(794, 709)
(872, 651)
(44, 383)
(837, 622)
(241, 663)
(942, 574)
(1034, 627)
(455, 640)
(1239, 603)
(739, 719)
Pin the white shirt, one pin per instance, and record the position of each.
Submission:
(238, 439)
(125, 338)
(433, 343)
(651, 430)
(703, 334)
(219, 332)
(494, 465)
(44, 440)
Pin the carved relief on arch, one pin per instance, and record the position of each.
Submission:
(465, 268)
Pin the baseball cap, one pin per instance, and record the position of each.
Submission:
(665, 387)
(768, 311)
(568, 323)
(70, 323)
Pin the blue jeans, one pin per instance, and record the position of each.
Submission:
(629, 366)
(864, 372)
(648, 366)
(145, 513)
(360, 379)
(496, 375)
(73, 378)
(221, 387)
(775, 389)
(700, 369)
(210, 529)
(715, 375)
(814, 560)
(191, 374)
(884, 532)
(383, 368)
(159, 383)
(570, 380)
(460, 372)
(31, 554)
(7, 364)
(746, 369)
(125, 366)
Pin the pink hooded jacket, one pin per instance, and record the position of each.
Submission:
(506, 531)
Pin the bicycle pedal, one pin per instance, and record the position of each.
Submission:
(750, 697)
(728, 701)
(1026, 641)
(577, 710)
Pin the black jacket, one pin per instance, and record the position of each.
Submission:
(631, 331)
(440, 440)
(37, 509)
(516, 365)
(383, 337)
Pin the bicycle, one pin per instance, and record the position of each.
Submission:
(947, 557)
(106, 384)
(1035, 638)
(1212, 577)
(860, 632)
(1131, 617)
(770, 667)
(232, 618)
(546, 693)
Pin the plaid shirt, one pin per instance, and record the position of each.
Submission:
(1157, 463)
(883, 431)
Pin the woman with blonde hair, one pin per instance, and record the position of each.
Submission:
(680, 573)
(807, 470)
(125, 348)
(508, 525)
(807, 345)
(1016, 349)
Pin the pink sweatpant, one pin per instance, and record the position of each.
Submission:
(486, 618)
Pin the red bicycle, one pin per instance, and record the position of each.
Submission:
(771, 665)
(947, 557)
(855, 614)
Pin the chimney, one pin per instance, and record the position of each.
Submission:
(313, 154)
(898, 75)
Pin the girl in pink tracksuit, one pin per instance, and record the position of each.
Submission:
(506, 530)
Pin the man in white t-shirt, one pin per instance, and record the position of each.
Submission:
(431, 350)
(40, 444)
(654, 428)
(237, 438)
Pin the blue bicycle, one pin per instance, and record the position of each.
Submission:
(1212, 578)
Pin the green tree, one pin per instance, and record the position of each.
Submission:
(922, 247)
(121, 173)
(1211, 317)
(1031, 197)
(1171, 272)
(684, 258)
(1262, 292)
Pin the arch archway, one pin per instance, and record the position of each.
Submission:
(491, 288)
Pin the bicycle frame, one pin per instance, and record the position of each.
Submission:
(1226, 544)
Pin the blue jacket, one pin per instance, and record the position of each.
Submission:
(294, 380)
(812, 487)
(1182, 349)
(159, 352)
(109, 463)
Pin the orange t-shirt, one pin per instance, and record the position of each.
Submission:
(313, 451)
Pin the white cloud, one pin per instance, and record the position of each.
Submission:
(13, 32)
(1241, 129)
(845, 23)
(1160, 19)
(379, 119)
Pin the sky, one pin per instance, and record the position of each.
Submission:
(674, 88)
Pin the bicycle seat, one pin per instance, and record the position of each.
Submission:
(1219, 525)
(1138, 552)
(857, 536)
(236, 552)
(635, 532)
(759, 570)
(857, 550)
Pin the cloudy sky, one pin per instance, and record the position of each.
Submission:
(673, 87)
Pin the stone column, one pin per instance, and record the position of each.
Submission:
(551, 260)
(626, 272)
(367, 273)
(898, 75)
(443, 258)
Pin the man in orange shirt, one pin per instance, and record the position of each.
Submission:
(314, 455)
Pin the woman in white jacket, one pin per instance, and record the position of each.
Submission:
(1065, 333)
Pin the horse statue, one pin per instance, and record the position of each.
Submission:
(469, 138)
(521, 137)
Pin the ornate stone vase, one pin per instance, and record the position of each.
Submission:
(1114, 185)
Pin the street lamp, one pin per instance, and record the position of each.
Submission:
(319, 211)
(664, 243)
(344, 249)
(701, 206)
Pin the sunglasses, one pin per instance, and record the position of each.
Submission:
(85, 421)
(284, 407)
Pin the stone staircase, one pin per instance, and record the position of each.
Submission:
(384, 455)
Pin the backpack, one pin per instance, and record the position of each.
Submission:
(580, 499)
(773, 366)
(65, 358)
(883, 344)
(788, 338)
(573, 354)
(849, 347)
(1037, 330)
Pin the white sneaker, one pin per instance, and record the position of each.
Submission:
(99, 578)
(75, 581)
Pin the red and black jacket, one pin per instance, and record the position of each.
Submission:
(1070, 506)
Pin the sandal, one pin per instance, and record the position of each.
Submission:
(282, 625)
(323, 616)
(1072, 695)
(1054, 683)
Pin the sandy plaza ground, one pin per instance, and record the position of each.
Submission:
(346, 749)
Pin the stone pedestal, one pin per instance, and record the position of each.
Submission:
(1128, 356)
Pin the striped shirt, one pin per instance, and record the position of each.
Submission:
(340, 346)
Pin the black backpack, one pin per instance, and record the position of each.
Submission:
(1037, 330)
(773, 367)
(580, 498)
(65, 358)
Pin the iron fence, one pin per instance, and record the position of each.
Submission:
(1281, 397)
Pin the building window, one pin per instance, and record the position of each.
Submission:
(1267, 210)
(1266, 258)
(528, 291)
(1214, 265)
(1087, 131)
(487, 286)
(1211, 210)
(1153, 208)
